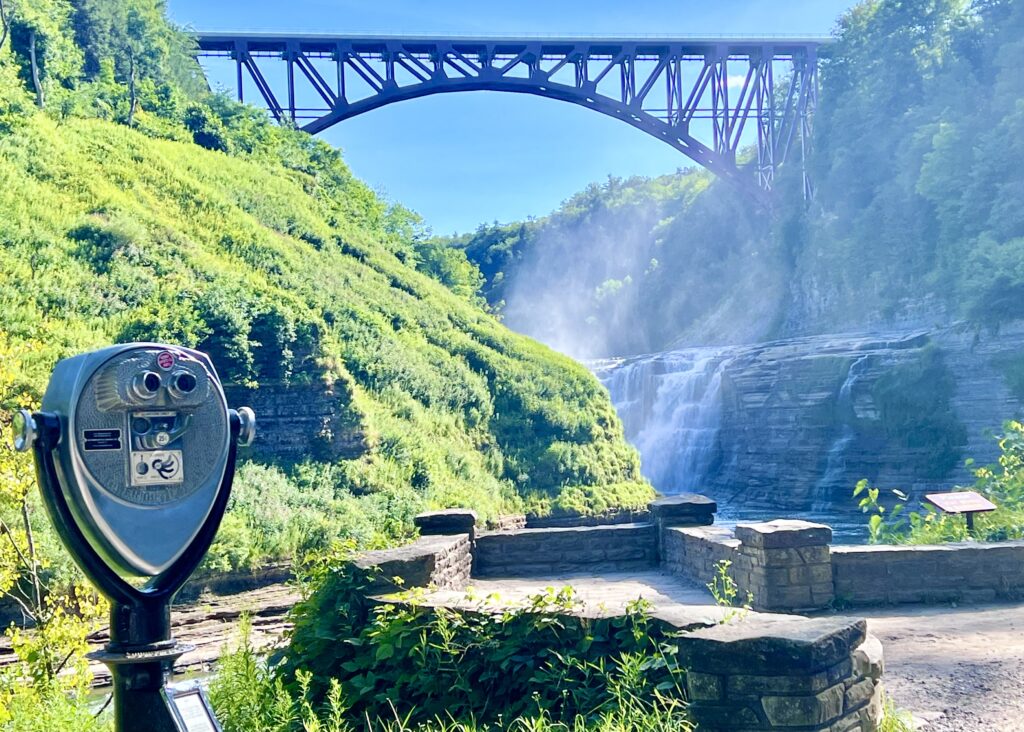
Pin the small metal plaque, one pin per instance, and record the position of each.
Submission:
(190, 708)
(960, 502)
(102, 440)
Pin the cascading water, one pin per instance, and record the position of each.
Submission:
(835, 475)
(671, 408)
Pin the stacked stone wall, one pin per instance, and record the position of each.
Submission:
(604, 519)
(696, 552)
(444, 562)
(524, 552)
(784, 565)
(964, 572)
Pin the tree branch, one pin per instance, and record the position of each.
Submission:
(132, 95)
(34, 567)
(22, 601)
(4, 24)
(40, 99)
(10, 535)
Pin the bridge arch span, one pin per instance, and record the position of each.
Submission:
(704, 98)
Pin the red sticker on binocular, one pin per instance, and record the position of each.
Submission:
(165, 359)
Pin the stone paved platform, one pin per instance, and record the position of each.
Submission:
(610, 590)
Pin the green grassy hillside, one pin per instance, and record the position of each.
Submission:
(195, 221)
(110, 235)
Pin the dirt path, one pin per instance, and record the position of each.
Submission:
(957, 669)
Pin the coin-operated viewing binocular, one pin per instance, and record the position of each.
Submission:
(135, 454)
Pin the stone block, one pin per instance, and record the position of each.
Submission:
(745, 686)
(849, 724)
(783, 534)
(811, 574)
(805, 711)
(686, 509)
(771, 645)
(809, 555)
(451, 521)
(842, 671)
(858, 695)
(783, 597)
(770, 576)
(729, 716)
(871, 715)
(815, 554)
(703, 687)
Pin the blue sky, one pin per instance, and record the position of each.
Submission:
(463, 159)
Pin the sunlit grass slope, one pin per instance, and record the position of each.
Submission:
(287, 275)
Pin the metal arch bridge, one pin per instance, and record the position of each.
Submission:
(698, 95)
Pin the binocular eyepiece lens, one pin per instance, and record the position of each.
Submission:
(182, 384)
(146, 384)
(185, 383)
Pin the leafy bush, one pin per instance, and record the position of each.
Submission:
(485, 664)
(891, 523)
(248, 697)
(206, 128)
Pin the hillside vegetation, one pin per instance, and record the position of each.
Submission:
(918, 216)
(134, 205)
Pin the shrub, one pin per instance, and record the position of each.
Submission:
(248, 697)
(206, 128)
(485, 664)
(890, 523)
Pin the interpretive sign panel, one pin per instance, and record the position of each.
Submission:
(960, 502)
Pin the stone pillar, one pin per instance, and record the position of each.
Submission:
(786, 565)
(686, 509)
(783, 673)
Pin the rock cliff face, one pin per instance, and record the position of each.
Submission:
(302, 421)
(792, 425)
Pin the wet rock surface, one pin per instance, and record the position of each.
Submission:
(792, 425)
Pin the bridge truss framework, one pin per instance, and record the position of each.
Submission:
(699, 96)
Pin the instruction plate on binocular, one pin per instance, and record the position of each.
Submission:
(157, 467)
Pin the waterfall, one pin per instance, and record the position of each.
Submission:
(835, 475)
(671, 408)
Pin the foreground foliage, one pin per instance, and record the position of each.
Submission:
(46, 688)
(486, 662)
(890, 522)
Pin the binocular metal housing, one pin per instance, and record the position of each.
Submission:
(135, 451)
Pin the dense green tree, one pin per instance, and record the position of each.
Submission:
(150, 56)
(39, 33)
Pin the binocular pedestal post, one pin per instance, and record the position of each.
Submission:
(141, 656)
